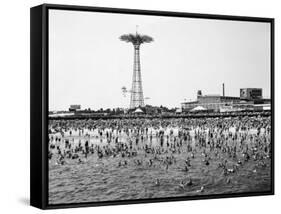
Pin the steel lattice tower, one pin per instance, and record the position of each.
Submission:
(136, 91)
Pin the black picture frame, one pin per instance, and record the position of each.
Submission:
(39, 102)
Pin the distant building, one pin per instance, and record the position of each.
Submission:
(249, 97)
(210, 102)
(251, 93)
(74, 108)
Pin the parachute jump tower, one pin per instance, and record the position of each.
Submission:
(137, 99)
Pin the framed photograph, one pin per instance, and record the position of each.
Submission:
(134, 106)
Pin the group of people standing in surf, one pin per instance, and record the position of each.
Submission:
(228, 143)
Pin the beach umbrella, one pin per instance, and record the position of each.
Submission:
(198, 108)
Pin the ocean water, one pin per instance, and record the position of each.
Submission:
(103, 179)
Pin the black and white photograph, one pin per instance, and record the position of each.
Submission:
(152, 107)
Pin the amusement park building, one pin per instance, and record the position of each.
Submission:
(246, 101)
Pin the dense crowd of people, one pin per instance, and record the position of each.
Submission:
(162, 143)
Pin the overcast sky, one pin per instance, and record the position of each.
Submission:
(89, 65)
